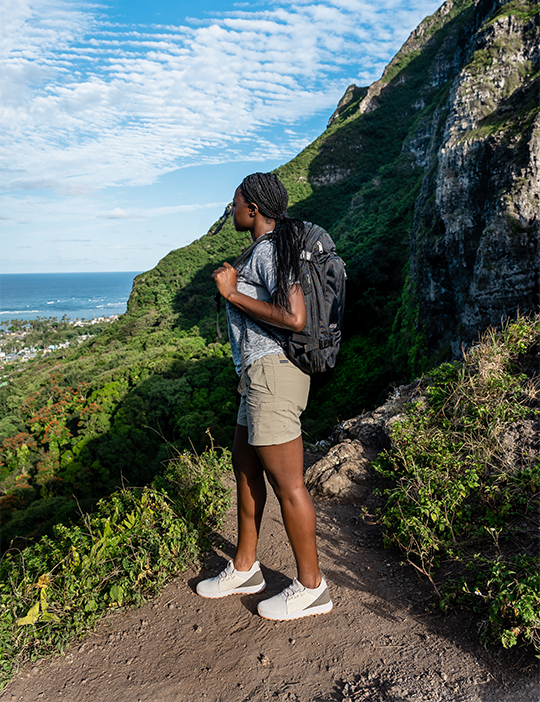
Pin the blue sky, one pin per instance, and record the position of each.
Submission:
(126, 125)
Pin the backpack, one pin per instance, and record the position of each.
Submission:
(323, 277)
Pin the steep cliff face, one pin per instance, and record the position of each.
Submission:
(475, 240)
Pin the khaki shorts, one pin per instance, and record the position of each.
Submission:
(276, 395)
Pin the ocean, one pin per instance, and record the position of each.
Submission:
(76, 295)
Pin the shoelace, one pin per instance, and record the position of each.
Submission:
(226, 574)
(295, 588)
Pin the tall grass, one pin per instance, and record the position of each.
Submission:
(465, 492)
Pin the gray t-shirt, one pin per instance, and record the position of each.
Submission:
(257, 279)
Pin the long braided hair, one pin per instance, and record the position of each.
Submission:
(269, 194)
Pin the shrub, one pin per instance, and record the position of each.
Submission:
(194, 483)
(460, 495)
(57, 588)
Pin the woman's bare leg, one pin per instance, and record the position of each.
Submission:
(284, 466)
(251, 498)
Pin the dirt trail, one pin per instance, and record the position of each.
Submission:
(379, 644)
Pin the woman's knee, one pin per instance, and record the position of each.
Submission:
(288, 491)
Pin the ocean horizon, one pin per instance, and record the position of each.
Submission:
(73, 295)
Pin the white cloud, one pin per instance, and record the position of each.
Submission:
(87, 103)
(144, 213)
(117, 213)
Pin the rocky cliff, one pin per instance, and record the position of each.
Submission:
(475, 240)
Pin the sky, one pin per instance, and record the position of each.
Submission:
(125, 125)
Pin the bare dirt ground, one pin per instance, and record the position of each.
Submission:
(381, 643)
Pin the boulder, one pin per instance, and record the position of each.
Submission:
(344, 473)
(373, 429)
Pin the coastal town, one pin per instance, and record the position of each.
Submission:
(24, 340)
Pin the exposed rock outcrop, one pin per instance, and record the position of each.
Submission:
(352, 93)
(475, 241)
(344, 473)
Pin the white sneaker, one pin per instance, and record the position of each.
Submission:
(297, 601)
(233, 582)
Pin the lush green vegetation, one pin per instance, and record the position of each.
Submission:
(160, 376)
(465, 499)
(521, 9)
(73, 427)
(109, 413)
(122, 553)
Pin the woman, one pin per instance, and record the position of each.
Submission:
(264, 298)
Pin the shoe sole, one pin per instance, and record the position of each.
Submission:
(321, 609)
(251, 590)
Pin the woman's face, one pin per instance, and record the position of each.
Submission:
(242, 212)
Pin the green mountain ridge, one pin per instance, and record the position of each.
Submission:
(365, 180)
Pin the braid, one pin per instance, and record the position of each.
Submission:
(269, 194)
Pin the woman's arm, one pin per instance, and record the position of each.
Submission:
(295, 320)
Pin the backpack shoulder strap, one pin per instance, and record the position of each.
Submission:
(243, 258)
(246, 255)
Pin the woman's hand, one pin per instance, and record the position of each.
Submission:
(295, 320)
(225, 279)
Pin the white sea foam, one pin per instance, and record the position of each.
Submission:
(19, 312)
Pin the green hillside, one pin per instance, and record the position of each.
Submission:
(357, 181)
